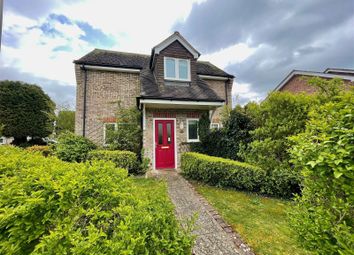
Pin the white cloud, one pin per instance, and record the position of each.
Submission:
(242, 92)
(35, 53)
(230, 55)
(136, 25)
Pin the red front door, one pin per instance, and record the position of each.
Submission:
(164, 144)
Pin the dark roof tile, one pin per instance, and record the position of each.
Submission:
(139, 61)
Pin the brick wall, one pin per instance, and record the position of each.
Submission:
(299, 83)
(181, 116)
(104, 90)
(219, 87)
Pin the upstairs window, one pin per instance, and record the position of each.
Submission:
(177, 69)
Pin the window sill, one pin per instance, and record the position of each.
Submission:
(193, 141)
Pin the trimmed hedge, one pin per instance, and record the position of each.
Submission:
(43, 149)
(48, 206)
(122, 159)
(222, 172)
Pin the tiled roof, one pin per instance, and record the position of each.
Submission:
(200, 92)
(138, 61)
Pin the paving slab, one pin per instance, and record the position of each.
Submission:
(213, 235)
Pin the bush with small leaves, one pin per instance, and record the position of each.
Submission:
(323, 217)
(71, 147)
(48, 206)
(122, 159)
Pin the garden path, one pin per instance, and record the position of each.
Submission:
(214, 236)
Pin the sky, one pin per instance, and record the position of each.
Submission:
(258, 41)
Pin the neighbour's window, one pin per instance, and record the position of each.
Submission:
(214, 126)
(2, 140)
(192, 130)
(109, 129)
(177, 69)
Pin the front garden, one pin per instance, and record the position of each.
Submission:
(297, 147)
(49, 206)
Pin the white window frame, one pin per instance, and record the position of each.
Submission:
(176, 60)
(104, 130)
(192, 140)
(215, 123)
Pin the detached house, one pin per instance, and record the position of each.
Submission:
(170, 87)
(296, 82)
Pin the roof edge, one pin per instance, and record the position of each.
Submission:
(309, 73)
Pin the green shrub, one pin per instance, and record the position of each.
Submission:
(48, 206)
(225, 142)
(45, 150)
(221, 172)
(323, 218)
(128, 135)
(71, 147)
(281, 115)
(122, 159)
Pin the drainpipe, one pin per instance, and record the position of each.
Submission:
(84, 106)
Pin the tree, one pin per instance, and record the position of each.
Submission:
(281, 115)
(25, 110)
(65, 121)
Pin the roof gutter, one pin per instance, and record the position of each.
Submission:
(212, 77)
(84, 103)
(307, 73)
(112, 69)
(179, 102)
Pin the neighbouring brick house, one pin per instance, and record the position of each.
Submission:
(170, 87)
(296, 81)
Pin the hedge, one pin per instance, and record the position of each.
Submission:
(71, 147)
(122, 159)
(222, 172)
(43, 149)
(48, 206)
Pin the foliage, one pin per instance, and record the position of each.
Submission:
(71, 147)
(44, 150)
(2, 126)
(122, 159)
(221, 172)
(262, 222)
(324, 152)
(65, 121)
(53, 207)
(226, 141)
(281, 115)
(128, 134)
(327, 88)
(25, 110)
(204, 127)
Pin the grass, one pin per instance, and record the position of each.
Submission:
(262, 222)
(148, 187)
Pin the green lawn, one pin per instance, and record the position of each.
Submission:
(262, 222)
(149, 186)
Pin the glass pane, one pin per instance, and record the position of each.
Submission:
(169, 133)
(160, 133)
(170, 68)
(183, 69)
(109, 131)
(193, 129)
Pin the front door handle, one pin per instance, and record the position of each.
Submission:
(165, 147)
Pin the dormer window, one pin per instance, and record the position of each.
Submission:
(177, 69)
